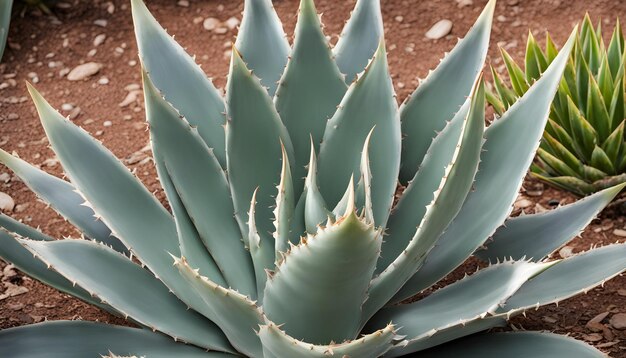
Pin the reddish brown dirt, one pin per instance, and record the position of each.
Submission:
(40, 47)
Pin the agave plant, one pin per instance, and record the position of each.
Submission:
(583, 147)
(254, 261)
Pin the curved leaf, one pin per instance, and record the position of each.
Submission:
(235, 314)
(189, 239)
(285, 208)
(569, 277)
(515, 345)
(315, 212)
(12, 251)
(201, 184)
(262, 253)
(254, 134)
(310, 89)
(318, 289)
(262, 42)
(133, 214)
(63, 198)
(408, 213)
(277, 343)
(507, 154)
(77, 339)
(359, 38)
(369, 103)
(440, 95)
(537, 236)
(448, 334)
(182, 81)
(448, 198)
(128, 288)
(470, 299)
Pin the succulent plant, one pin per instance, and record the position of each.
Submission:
(255, 261)
(583, 147)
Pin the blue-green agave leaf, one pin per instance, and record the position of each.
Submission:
(63, 198)
(366, 180)
(201, 184)
(359, 38)
(261, 251)
(347, 198)
(285, 209)
(254, 134)
(408, 213)
(448, 334)
(537, 236)
(134, 215)
(315, 212)
(569, 277)
(310, 89)
(182, 81)
(447, 200)
(12, 251)
(133, 291)
(440, 95)
(369, 102)
(237, 315)
(277, 343)
(78, 339)
(262, 42)
(318, 289)
(514, 345)
(189, 239)
(507, 153)
(471, 299)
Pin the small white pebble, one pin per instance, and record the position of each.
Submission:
(211, 23)
(439, 30)
(101, 22)
(107, 123)
(99, 40)
(132, 87)
(232, 23)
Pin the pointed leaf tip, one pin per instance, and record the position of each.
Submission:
(236, 61)
(350, 208)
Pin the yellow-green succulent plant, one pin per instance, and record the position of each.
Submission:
(583, 148)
